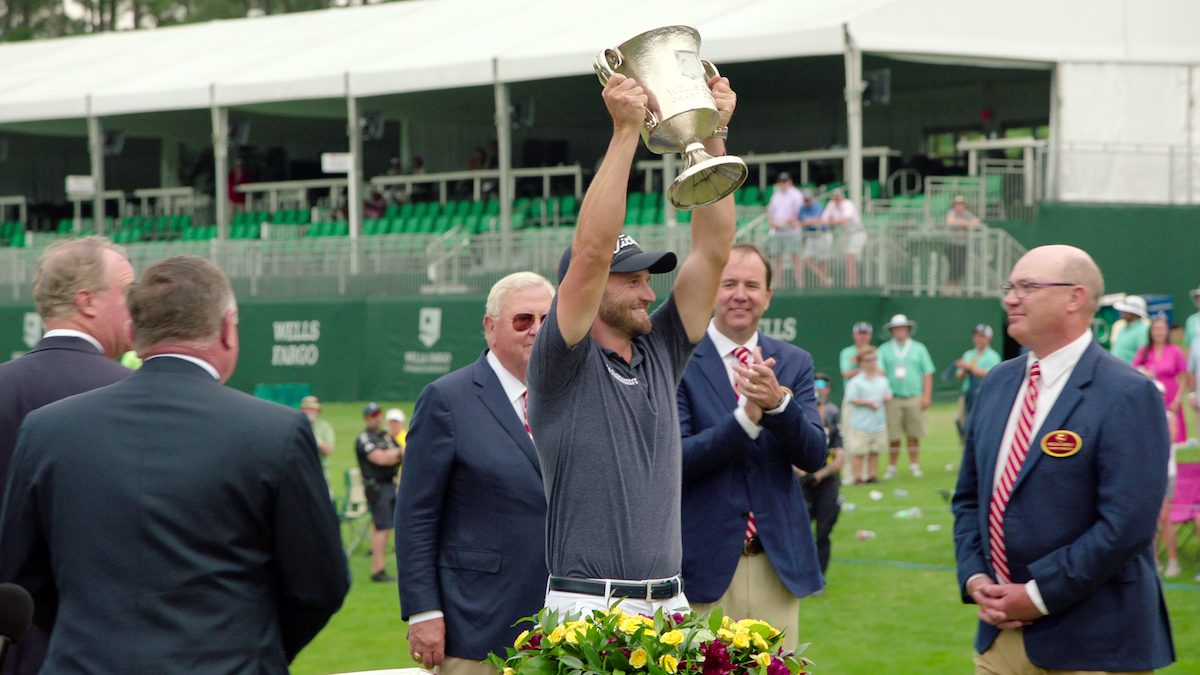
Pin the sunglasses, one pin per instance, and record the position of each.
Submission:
(523, 322)
(820, 384)
(869, 358)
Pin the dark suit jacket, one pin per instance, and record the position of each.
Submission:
(57, 367)
(471, 514)
(167, 524)
(1082, 524)
(726, 474)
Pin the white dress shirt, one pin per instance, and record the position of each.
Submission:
(1056, 369)
(200, 362)
(725, 348)
(515, 391)
(67, 332)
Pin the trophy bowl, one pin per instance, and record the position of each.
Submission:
(680, 110)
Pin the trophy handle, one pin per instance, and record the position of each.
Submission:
(710, 71)
(651, 120)
(605, 62)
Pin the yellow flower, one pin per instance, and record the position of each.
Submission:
(669, 663)
(763, 659)
(509, 671)
(638, 658)
(759, 641)
(725, 634)
(520, 640)
(741, 640)
(672, 637)
(556, 636)
(726, 622)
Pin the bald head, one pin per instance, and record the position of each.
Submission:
(1063, 289)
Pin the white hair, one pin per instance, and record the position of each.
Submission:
(517, 281)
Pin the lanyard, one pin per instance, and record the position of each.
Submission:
(901, 354)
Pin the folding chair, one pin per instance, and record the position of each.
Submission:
(354, 514)
(1185, 507)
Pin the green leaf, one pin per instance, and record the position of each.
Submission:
(594, 662)
(658, 621)
(714, 619)
(800, 650)
(571, 661)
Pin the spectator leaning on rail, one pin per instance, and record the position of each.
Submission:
(841, 212)
(602, 381)
(783, 211)
(1132, 332)
(818, 238)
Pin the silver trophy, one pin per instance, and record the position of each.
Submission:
(680, 112)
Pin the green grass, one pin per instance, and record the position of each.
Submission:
(892, 604)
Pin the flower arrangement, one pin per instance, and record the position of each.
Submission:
(611, 642)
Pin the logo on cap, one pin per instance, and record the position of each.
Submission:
(624, 241)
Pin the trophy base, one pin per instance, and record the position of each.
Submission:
(706, 180)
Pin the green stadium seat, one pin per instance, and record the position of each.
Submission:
(683, 216)
(471, 223)
(340, 229)
(568, 205)
(477, 208)
(492, 208)
(634, 200)
(391, 210)
(424, 226)
(441, 224)
(406, 209)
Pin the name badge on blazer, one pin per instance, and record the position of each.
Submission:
(1061, 443)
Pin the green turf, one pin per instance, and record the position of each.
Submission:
(875, 617)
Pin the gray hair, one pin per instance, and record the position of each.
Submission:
(67, 267)
(180, 300)
(517, 281)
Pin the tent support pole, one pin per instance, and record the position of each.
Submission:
(1052, 145)
(96, 150)
(503, 148)
(354, 210)
(220, 136)
(854, 90)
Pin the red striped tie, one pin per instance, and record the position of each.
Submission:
(525, 403)
(1012, 469)
(742, 354)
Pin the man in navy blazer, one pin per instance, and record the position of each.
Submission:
(747, 537)
(166, 523)
(1055, 547)
(79, 291)
(471, 513)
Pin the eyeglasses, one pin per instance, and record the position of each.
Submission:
(523, 322)
(1024, 288)
(870, 359)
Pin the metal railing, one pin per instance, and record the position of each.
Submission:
(921, 261)
(1128, 173)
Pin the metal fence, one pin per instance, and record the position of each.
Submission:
(914, 260)
(1127, 173)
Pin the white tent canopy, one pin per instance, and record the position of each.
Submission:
(442, 44)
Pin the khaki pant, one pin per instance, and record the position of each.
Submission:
(905, 418)
(756, 592)
(455, 666)
(1007, 656)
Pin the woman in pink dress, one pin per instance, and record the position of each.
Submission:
(1164, 362)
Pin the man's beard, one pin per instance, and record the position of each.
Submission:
(621, 318)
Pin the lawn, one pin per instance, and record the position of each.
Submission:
(891, 606)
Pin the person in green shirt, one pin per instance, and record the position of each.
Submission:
(322, 430)
(1136, 333)
(1191, 329)
(909, 370)
(971, 369)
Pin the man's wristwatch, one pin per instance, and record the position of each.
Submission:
(720, 132)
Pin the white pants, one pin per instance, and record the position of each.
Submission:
(582, 603)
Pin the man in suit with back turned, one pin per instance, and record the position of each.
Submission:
(79, 292)
(166, 523)
(747, 414)
(1063, 474)
(471, 516)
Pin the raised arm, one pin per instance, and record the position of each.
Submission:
(602, 214)
(712, 236)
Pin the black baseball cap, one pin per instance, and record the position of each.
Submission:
(371, 409)
(628, 257)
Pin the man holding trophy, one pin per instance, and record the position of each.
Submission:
(603, 372)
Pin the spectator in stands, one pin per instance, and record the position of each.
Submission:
(783, 211)
(478, 160)
(821, 487)
(906, 364)
(238, 175)
(818, 238)
(379, 461)
(848, 365)
(868, 394)
(970, 370)
(418, 165)
(958, 219)
(1163, 361)
(841, 212)
(1134, 333)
